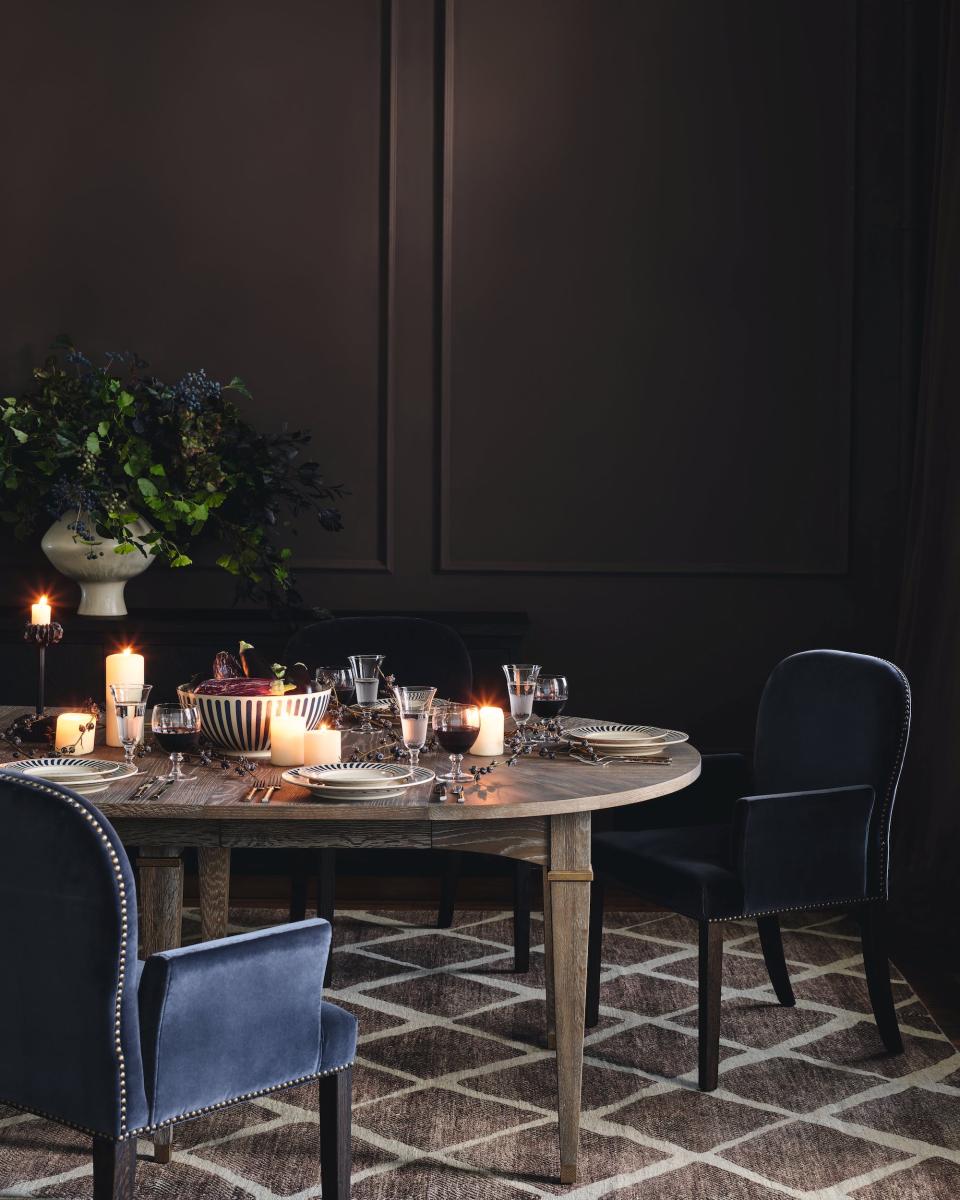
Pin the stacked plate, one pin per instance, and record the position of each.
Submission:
(83, 775)
(634, 741)
(359, 781)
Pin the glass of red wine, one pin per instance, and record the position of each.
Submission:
(177, 730)
(456, 727)
(549, 701)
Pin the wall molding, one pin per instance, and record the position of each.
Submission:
(445, 557)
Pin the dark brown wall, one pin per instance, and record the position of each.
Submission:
(596, 306)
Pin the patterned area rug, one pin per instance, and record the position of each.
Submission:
(454, 1094)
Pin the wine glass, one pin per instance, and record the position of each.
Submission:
(177, 730)
(366, 678)
(521, 686)
(414, 704)
(130, 704)
(456, 727)
(550, 697)
(340, 679)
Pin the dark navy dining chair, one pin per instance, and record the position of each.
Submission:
(416, 651)
(92, 1038)
(807, 828)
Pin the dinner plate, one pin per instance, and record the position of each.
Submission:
(334, 791)
(626, 736)
(365, 775)
(64, 764)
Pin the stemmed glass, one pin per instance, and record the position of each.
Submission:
(521, 686)
(366, 678)
(550, 697)
(177, 730)
(130, 704)
(414, 704)
(340, 679)
(456, 727)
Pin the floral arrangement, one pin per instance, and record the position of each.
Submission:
(112, 444)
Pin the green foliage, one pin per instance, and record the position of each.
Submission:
(112, 444)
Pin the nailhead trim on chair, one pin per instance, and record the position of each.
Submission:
(888, 796)
(124, 932)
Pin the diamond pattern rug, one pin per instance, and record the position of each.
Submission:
(454, 1094)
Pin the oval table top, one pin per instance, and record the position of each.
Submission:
(532, 787)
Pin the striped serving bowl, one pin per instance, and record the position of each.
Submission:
(240, 725)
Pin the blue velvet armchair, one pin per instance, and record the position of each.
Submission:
(93, 1038)
(807, 828)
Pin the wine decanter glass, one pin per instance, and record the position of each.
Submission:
(521, 687)
(366, 679)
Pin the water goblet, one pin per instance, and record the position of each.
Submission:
(130, 704)
(366, 678)
(521, 686)
(414, 704)
(456, 727)
(177, 730)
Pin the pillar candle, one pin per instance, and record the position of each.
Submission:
(40, 613)
(68, 734)
(286, 740)
(124, 670)
(489, 741)
(321, 746)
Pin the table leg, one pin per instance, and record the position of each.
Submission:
(551, 1027)
(161, 898)
(569, 879)
(213, 866)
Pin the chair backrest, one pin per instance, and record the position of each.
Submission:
(416, 651)
(69, 1036)
(829, 719)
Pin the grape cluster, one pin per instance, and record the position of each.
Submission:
(196, 389)
(68, 495)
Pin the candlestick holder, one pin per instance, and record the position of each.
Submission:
(38, 727)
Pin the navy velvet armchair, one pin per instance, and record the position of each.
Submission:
(807, 828)
(94, 1039)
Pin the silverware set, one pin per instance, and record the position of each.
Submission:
(146, 790)
(267, 788)
(606, 760)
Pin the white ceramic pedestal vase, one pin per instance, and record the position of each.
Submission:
(93, 564)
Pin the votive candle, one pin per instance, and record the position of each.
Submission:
(124, 669)
(68, 734)
(41, 612)
(286, 740)
(321, 746)
(489, 741)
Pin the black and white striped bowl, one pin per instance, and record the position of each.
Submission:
(240, 725)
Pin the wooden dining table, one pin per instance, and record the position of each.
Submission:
(538, 810)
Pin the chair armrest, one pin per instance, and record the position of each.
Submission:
(803, 849)
(709, 800)
(232, 1017)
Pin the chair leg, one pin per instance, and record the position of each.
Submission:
(771, 943)
(710, 976)
(299, 878)
(873, 932)
(114, 1168)
(594, 950)
(449, 878)
(336, 1092)
(163, 1145)
(327, 897)
(522, 883)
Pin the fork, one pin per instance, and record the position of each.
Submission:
(606, 760)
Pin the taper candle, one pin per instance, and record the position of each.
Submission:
(41, 612)
(489, 741)
(124, 669)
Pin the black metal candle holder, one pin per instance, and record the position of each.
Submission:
(38, 727)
